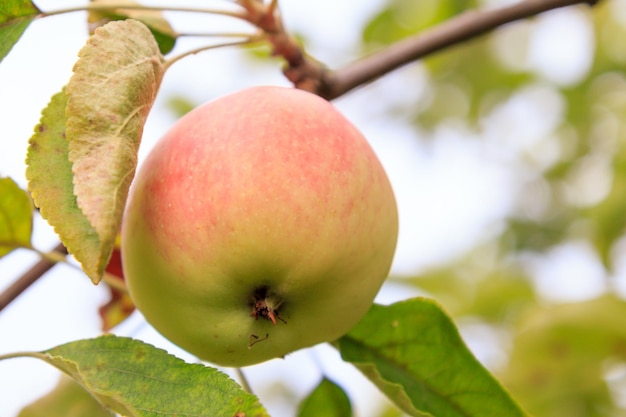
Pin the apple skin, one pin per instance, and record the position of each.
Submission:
(266, 195)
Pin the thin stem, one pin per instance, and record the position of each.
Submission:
(52, 256)
(243, 380)
(28, 278)
(215, 35)
(111, 280)
(47, 261)
(58, 257)
(98, 7)
(25, 354)
(173, 60)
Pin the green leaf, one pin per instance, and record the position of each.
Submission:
(16, 217)
(413, 352)
(327, 399)
(537, 235)
(138, 380)
(561, 357)
(162, 31)
(114, 85)
(15, 16)
(67, 399)
(53, 194)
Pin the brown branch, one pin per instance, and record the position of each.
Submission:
(310, 75)
(453, 31)
(28, 278)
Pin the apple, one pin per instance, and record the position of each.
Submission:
(261, 223)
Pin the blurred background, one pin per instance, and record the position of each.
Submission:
(507, 154)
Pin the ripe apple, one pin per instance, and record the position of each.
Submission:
(261, 223)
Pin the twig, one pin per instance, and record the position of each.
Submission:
(28, 278)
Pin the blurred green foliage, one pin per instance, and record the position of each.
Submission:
(564, 359)
(562, 355)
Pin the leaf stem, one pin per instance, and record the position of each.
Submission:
(250, 40)
(216, 35)
(53, 256)
(98, 7)
(25, 354)
(58, 257)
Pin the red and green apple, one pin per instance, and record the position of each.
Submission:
(261, 223)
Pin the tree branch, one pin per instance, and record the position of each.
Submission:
(466, 26)
(308, 74)
(28, 278)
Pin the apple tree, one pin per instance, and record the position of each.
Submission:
(519, 311)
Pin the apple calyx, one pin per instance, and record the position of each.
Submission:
(265, 304)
